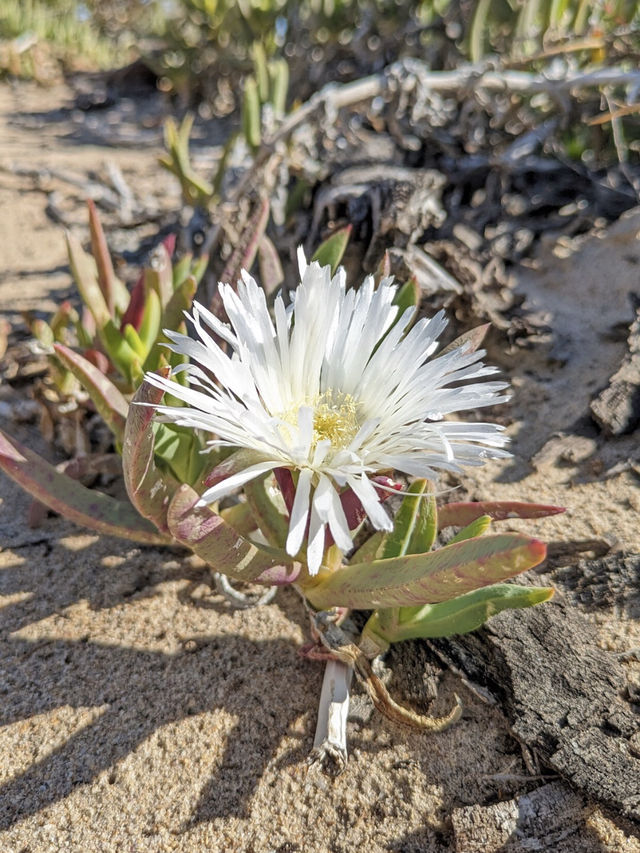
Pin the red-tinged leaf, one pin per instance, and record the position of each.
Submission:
(149, 489)
(384, 267)
(211, 538)
(109, 402)
(135, 309)
(427, 578)
(473, 339)
(169, 242)
(71, 499)
(84, 272)
(280, 575)
(98, 359)
(271, 274)
(463, 513)
(233, 464)
(100, 252)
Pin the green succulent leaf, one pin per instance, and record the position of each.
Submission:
(126, 359)
(278, 85)
(408, 296)
(158, 276)
(70, 498)
(427, 578)
(414, 529)
(476, 528)
(273, 523)
(107, 399)
(150, 325)
(251, 120)
(459, 615)
(331, 251)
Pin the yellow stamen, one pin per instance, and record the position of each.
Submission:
(335, 417)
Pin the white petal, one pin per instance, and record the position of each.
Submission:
(299, 513)
(315, 546)
(327, 502)
(226, 486)
(369, 499)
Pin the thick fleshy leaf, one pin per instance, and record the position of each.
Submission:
(368, 551)
(473, 339)
(273, 524)
(149, 489)
(101, 256)
(181, 301)
(408, 296)
(330, 252)
(124, 357)
(135, 308)
(458, 616)
(85, 273)
(251, 113)
(216, 542)
(427, 578)
(158, 276)
(150, 325)
(461, 514)
(70, 498)
(240, 517)
(476, 528)
(233, 464)
(414, 529)
(109, 402)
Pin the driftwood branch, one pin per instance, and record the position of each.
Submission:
(563, 694)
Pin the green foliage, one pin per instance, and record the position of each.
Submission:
(414, 533)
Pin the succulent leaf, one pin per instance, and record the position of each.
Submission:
(149, 489)
(463, 513)
(216, 542)
(473, 339)
(251, 119)
(459, 615)
(85, 274)
(476, 528)
(70, 498)
(273, 524)
(331, 251)
(427, 578)
(107, 399)
(414, 529)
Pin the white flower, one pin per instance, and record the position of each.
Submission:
(336, 390)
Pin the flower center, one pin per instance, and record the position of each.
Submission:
(335, 418)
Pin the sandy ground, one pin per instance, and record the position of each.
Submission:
(140, 713)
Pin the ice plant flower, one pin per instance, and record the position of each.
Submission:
(336, 388)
